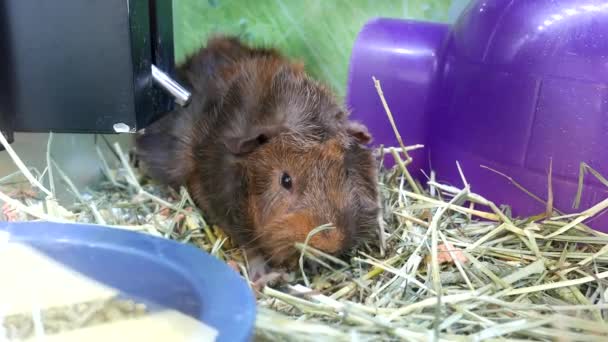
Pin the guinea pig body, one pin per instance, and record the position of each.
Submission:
(266, 153)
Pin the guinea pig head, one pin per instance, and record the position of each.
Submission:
(294, 190)
(305, 165)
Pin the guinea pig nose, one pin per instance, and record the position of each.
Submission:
(301, 225)
(329, 241)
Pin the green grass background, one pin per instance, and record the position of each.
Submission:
(319, 32)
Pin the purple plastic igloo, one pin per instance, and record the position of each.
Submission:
(510, 86)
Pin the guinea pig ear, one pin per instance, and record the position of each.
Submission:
(359, 132)
(255, 138)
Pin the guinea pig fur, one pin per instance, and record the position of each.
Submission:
(266, 153)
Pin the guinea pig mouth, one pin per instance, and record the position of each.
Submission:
(281, 237)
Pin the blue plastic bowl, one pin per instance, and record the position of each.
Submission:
(158, 271)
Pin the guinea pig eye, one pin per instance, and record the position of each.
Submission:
(286, 181)
(262, 139)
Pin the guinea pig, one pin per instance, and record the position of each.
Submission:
(266, 153)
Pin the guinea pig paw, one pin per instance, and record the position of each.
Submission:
(268, 279)
(257, 268)
(9, 212)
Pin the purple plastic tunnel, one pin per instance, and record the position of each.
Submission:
(511, 87)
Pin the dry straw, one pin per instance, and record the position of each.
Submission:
(455, 266)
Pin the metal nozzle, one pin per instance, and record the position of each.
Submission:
(181, 95)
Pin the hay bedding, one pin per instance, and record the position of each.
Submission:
(451, 266)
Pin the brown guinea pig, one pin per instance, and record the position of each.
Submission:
(266, 152)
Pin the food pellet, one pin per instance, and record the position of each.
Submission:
(55, 320)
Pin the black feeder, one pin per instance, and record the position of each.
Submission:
(86, 66)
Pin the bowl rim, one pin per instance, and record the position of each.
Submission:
(229, 304)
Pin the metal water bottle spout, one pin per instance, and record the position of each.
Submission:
(172, 87)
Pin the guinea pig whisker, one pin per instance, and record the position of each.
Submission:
(254, 240)
(271, 204)
(276, 253)
(268, 243)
